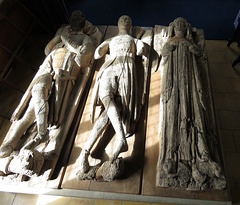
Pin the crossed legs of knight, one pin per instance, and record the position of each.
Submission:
(37, 110)
(108, 89)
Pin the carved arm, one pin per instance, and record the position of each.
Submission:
(102, 49)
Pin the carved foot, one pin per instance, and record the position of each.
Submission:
(84, 164)
(122, 146)
(35, 142)
(110, 170)
(6, 150)
(89, 175)
(27, 163)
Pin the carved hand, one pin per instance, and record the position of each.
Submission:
(167, 48)
(170, 47)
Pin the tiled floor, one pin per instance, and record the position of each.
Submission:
(22, 199)
(226, 92)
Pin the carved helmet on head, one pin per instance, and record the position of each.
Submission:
(77, 21)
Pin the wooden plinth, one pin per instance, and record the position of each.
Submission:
(130, 182)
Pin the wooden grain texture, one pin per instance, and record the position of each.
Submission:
(130, 182)
(152, 147)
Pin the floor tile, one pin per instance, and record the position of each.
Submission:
(80, 201)
(107, 202)
(236, 70)
(220, 100)
(52, 200)
(221, 84)
(232, 55)
(220, 57)
(161, 204)
(227, 140)
(28, 199)
(233, 165)
(232, 101)
(236, 85)
(221, 45)
(217, 45)
(235, 190)
(236, 135)
(229, 119)
(134, 203)
(7, 198)
(223, 70)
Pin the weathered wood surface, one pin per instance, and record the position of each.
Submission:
(63, 134)
(152, 140)
(130, 182)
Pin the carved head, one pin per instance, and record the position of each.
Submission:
(125, 23)
(77, 21)
(180, 28)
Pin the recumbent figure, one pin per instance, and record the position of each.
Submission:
(116, 90)
(56, 76)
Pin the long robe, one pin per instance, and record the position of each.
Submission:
(184, 159)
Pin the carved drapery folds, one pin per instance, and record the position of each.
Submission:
(188, 157)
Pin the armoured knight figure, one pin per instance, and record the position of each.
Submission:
(116, 91)
(56, 76)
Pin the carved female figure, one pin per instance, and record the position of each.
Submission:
(185, 158)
